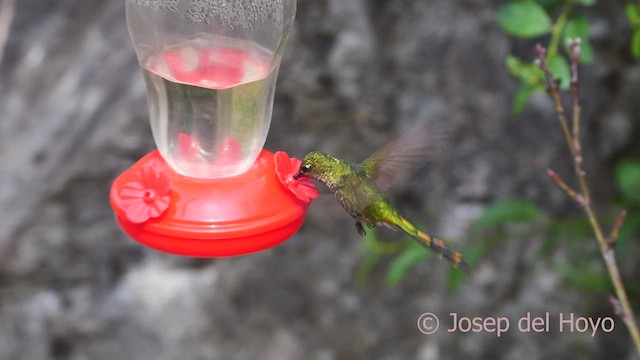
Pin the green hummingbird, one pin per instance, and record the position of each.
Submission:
(360, 188)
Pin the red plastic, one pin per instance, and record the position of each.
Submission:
(286, 168)
(208, 218)
(146, 198)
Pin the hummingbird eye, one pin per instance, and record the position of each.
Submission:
(305, 168)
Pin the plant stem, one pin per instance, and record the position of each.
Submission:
(554, 93)
(563, 185)
(574, 49)
(583, 197)
(613, 238)
(558, 29)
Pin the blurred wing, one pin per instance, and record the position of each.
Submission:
(407, 154)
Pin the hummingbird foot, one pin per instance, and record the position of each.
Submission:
(371, 226)
(360, 228)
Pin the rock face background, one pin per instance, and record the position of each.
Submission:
(356, 72)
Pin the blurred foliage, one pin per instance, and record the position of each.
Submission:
(524, 18)
(406, 253)
(582, 269)
(628, 180)
(530, 19)
(507, 211)
(633, 15)
(627, 176)
(561, 20)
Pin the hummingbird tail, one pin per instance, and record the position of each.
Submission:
(438, 246)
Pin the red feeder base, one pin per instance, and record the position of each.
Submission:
(205, 217)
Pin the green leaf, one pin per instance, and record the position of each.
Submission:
(529, 73)
(369, 262)
(507, 211)
(524, 18)
(373, 245)
(456, 277)
(521, 99)
(628, 180)
(375, 250)
(403, 262)
(560, 70)
(516, 67)
(371, 242)
(578, 27)
(633, 14)
(583, 2)
(548, 4)
(565, 231)
(585, 277)
(586, 52)
(635, 44)
(571, 230)
(531, 78)
(630, 230)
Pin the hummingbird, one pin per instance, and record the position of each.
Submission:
(360, 188)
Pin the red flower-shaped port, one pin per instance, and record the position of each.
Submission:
(148, 197)
(286, 168)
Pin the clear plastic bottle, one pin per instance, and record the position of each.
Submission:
(211, 72)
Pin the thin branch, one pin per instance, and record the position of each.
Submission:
(576, 109)
(620, 302)
(574, 49)
(554, 92)
(558, 28)
(563, 185)
(615, 232)
(617, 309)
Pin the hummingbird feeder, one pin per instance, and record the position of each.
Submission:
(210, 189)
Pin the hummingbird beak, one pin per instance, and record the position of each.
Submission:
(304, 169)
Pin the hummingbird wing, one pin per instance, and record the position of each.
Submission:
(406, 154)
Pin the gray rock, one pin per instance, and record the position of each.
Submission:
(355, 74)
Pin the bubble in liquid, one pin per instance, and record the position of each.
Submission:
(243, 13)
(170, 5)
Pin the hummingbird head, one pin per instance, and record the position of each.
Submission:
(316, 165)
